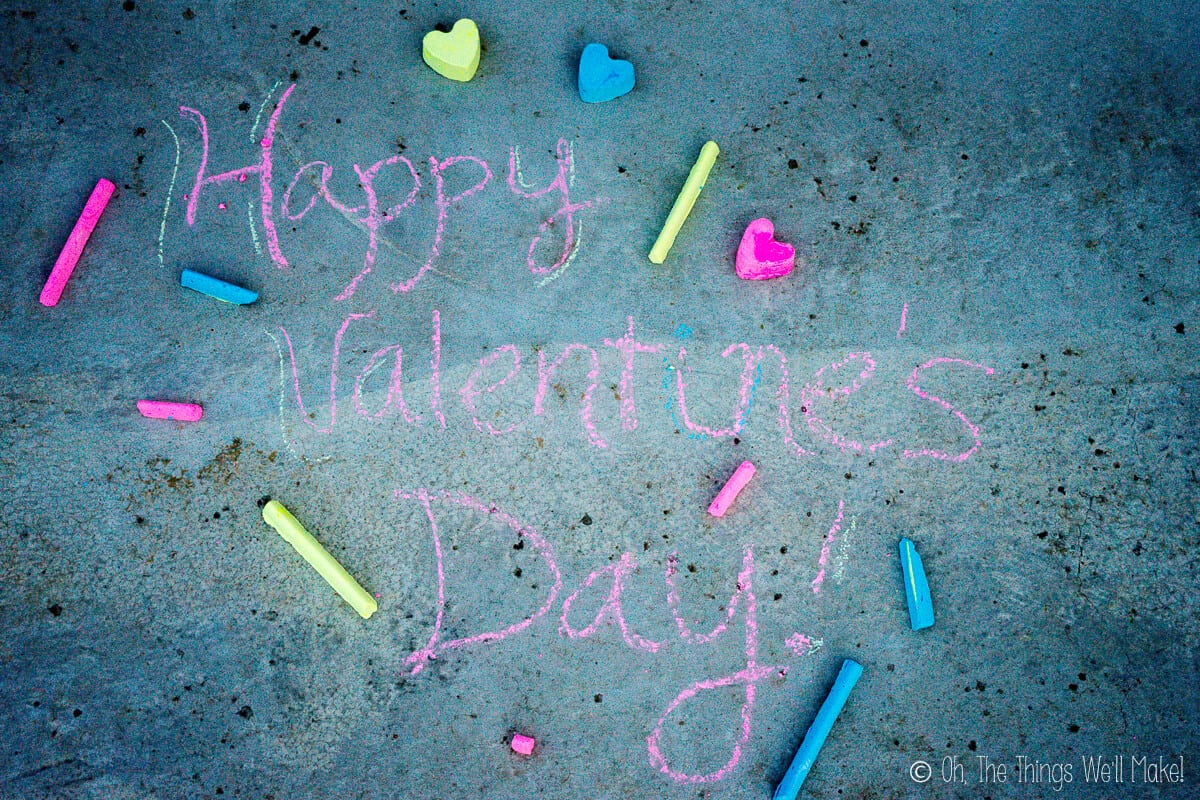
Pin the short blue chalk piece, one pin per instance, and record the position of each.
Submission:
(916, 588)
(793, 779)
(219, 289)
(602, 78)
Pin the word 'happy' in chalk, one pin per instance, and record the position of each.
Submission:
(214, 287)
(279, 518)
(73, 249)
(453, 55)
(523, 744)
(760, 257)
(793, 779)
(916, 587)
(684, 202)
(733, 486)
(603, 78)
(164, 409)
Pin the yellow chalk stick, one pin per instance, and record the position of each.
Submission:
(342, 582)
(684, 202)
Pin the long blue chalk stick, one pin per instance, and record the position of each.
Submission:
(793, 779)
(206, 284)
(916, 587)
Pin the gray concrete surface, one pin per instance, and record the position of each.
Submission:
(1022, 176)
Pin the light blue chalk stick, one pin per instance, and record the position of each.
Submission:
(219, 289)
(916, 588)
(793, 779)
(602, 78)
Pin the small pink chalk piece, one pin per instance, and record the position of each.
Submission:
(729, 493)
(523, 744)
(73, 249)
(760, 257)
(163, 409)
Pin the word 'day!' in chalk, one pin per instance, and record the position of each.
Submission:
(73, 249)
(793, 779)
(523, 744)
(684, 202)
(602, 78)
(214, 287)
(334, 573)
(454, 55)
(916, 587)
(760, 257)
(729, 493)
(164, 409)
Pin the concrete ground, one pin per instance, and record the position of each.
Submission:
(468, 381)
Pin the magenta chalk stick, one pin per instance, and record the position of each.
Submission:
(523, 744)
(163, 409)
(729, 493)
(73, 249)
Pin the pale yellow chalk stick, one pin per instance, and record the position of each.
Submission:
(342, 582)
(684, 202)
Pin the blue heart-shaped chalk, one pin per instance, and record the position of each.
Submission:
(602, 78)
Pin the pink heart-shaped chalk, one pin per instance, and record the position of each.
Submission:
(760, 257)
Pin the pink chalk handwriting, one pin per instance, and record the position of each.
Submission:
(971, 427)
(417, 660)
(829, 537)
(611, 611)
(443, 204)
(566, 211)
(860, 367)
(748, 678)
(611, 608)
(628, 346)
(546, 372)
(814, 393)
(469, 394)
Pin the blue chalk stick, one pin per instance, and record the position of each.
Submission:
(602, 78)
(916, 588)
(219, 289)
(793, 779)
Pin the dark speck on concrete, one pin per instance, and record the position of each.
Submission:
(243, 106)
(245, 712)
(55, 609)
(587, 520)
(189, 14)
(1180, 328)
(262, 501)
(306, 38)
(128, 5)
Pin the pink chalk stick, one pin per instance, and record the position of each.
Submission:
(760, 257)
(523, 744)
(163, 409)
(729, 493)
(71, 251)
